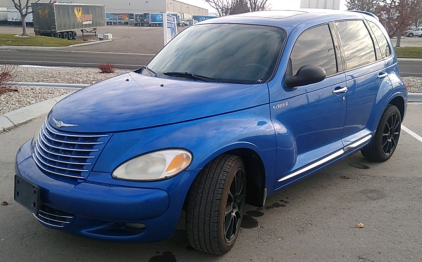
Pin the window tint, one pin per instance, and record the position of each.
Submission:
(382, 41)
(230, 53)
(357, 43)
(314, 47)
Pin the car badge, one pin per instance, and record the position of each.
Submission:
(60, 124)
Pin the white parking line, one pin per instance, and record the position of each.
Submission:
(410, 132)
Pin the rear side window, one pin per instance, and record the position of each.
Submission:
(314, 47)
(382, 41)
(357, 43)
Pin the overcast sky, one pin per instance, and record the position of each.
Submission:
(274, 4)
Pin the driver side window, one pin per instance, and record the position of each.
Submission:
(314, 47)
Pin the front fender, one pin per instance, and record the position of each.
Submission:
(205, 138)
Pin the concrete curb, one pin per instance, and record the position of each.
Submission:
(11, 47)
(25, 114)
(50, 85)
(414, 97)
(18, 117)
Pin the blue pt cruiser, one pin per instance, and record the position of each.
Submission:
(229, 112)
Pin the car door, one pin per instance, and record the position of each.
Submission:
(309, 123)
(364, 75)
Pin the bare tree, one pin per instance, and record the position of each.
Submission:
(23, 8)
(257, 5)
(363, 5)
(418, 20)
(223, 7)
(231, 7)
(397, 16)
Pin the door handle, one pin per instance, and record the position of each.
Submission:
(340, 90)
(382, 75)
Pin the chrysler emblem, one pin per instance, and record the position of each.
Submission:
(60, 124)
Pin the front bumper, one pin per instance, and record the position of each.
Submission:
(100, 210)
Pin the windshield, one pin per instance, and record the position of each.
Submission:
(230, 53)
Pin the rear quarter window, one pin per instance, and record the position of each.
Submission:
(357, 44)
(382, 41)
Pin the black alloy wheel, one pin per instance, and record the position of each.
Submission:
(391, 134)
(234, 206)
(386, 137)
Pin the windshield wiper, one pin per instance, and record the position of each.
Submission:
(190, 76)
(148, 69)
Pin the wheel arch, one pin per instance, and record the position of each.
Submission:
(255, 174)
(400, 104)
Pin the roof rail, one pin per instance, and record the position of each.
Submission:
(365, 13)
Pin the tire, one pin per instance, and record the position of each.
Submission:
(69, 35)
(64, 35)
(386, 137)
(59, 35)
(410, 35)
(215, 205)
(74, 35)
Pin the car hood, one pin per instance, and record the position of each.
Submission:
(134, 101)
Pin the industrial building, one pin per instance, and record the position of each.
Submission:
(319, 4)
(185, 11)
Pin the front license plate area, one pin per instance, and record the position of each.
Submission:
(27, 194)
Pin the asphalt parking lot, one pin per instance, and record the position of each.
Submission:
(313, 220)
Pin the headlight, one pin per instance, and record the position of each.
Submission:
(154, 166)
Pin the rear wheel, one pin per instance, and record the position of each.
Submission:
(64, 35)
(386, 137)
(59, 35)
(410, 35)
(215, 205)
(70, 35)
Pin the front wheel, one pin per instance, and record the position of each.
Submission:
(386, 137)
(410, 35)
(215, 205)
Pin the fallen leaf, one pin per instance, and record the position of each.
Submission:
(345, 177)
(4, 203)
(360, 225)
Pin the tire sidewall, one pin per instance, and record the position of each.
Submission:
(223, 245)
(390, 111)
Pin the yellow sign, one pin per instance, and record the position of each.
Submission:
(43, 12)
(82, 18)
(78, 13)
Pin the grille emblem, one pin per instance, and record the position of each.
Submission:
(60, 124)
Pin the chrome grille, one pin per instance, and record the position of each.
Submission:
(67, 154)
(53, 217)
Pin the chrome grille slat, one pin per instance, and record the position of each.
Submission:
(68, 142)
(67, 149)
(59, 167)
(67, 154)
(62, 155)
(51, 219)
(63, 162)
(60, 174)
(51, 214)
(46, 223)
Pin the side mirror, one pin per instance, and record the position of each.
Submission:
(307, 74)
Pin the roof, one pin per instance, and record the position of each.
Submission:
(289, 18)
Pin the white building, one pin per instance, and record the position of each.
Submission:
(320, 4)
(136, 6)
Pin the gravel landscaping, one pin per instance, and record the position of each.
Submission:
(31, 95)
